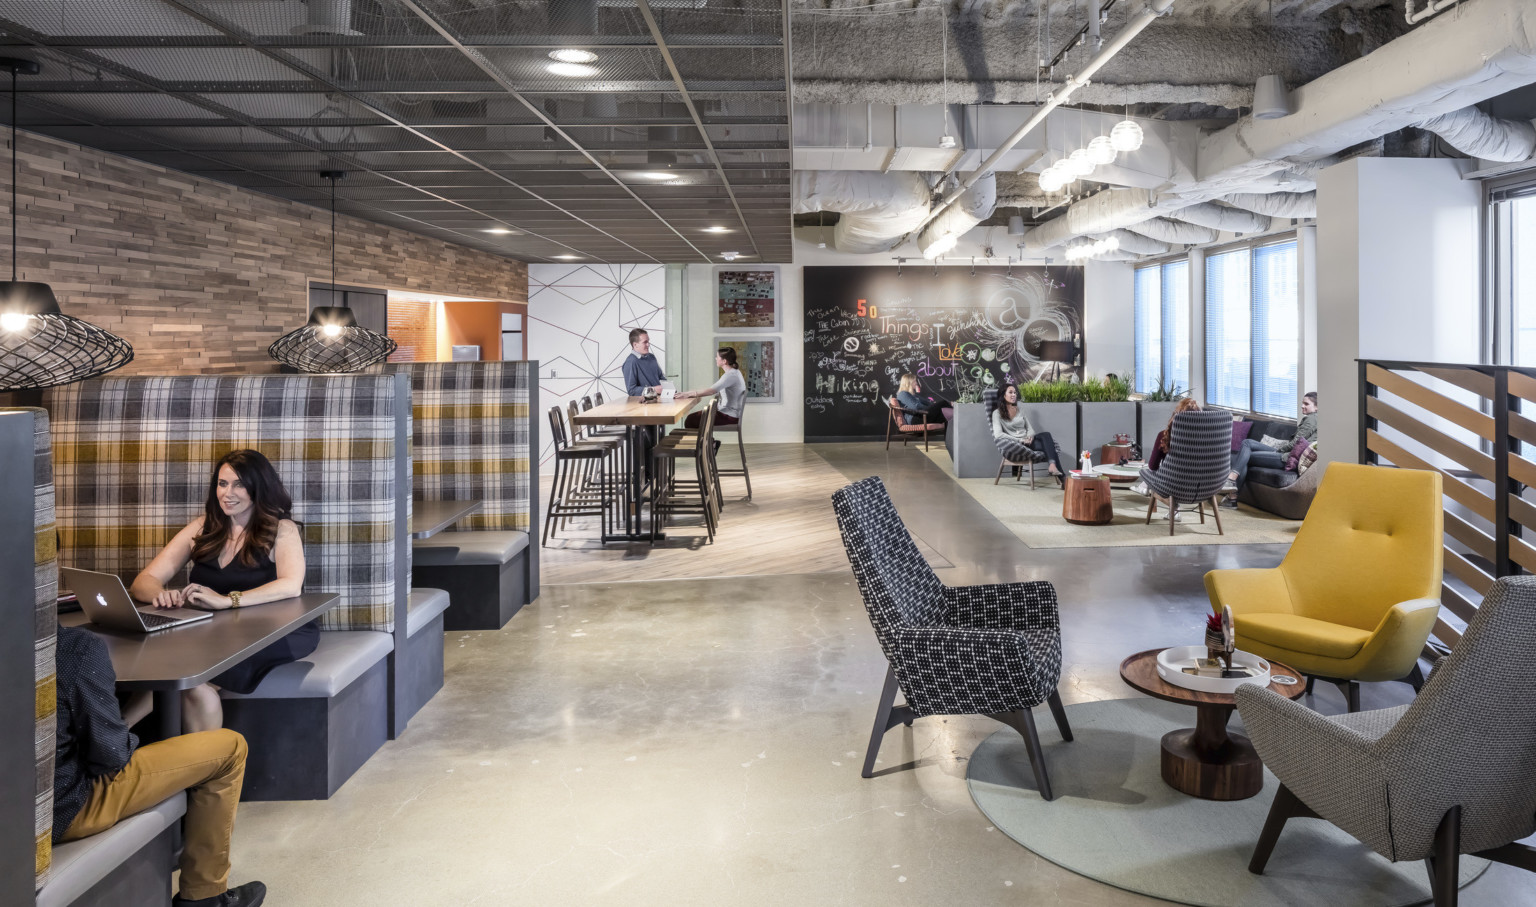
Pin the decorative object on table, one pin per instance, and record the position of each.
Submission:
(1192, 668)
(40, 346)
(1087, 462)
(747, 299)
(332, 341)
(1220, 639)
(759, 364)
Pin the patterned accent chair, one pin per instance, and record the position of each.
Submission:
(895, 423)
(1014, 453)
(1196, 468)
(970, 650)
(1449, 774)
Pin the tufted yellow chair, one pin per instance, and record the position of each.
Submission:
(1357, 594)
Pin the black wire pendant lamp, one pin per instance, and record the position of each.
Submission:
(332, 341)
(40, 346)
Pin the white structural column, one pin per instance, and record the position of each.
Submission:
(1197, 324)
(1306, 290)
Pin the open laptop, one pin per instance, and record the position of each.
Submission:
(106, 602)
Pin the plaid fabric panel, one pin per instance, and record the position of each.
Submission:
(134, 457)
(45, 623)
(471, 438)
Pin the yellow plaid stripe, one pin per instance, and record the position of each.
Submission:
(45, 545)
(47, 696)
(471, 411)
(44, 852)
(511, 465)
(93, 453)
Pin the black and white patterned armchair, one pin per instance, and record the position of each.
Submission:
(1015, 453)
(1197, 465)
(969, 650)
(1452, 773)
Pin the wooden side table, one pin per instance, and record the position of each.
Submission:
(1112, 454)
(1086, 501)
(1206, 761)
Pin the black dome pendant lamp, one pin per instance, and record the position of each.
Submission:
(332, 341)
(40, 346)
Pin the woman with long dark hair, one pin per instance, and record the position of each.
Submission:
(1016, 437)
(731, 387)
(244, 550)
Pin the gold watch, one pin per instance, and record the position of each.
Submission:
(234, 599)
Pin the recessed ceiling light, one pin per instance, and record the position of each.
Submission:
(569, 257)
(501, 231)
(572, 70)
(717, 229)
(572, 55)
(658, 176)
(730, 256)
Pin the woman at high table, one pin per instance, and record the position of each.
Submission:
(244, 550)
(731, 387)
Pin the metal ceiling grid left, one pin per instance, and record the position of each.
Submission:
(674, 148)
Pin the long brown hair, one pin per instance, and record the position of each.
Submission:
(1010, 410)
(270, 504)
(1185, 405)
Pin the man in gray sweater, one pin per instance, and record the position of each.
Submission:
(1257, 453)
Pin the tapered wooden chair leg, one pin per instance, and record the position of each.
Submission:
(1286, 806)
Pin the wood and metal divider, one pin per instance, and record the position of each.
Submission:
(1467, 424)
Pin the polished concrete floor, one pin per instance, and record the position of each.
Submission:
(696, 741)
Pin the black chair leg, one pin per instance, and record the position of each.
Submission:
(1060, 714)
(1351, 691)
(1415, 678)
(1444, 863)
(884, 715)
(1023, 721)
(1286, 806)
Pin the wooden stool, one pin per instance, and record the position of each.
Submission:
(1086, 501)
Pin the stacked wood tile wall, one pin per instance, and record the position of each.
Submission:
(201, 276)
(413, 325)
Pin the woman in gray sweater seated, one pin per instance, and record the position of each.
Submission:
(1016, 437)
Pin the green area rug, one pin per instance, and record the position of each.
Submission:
(1034, 516)
(1114, 820)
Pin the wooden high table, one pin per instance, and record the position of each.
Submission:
(636, 417)
(170, 661)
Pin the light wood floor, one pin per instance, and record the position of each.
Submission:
(787, 528)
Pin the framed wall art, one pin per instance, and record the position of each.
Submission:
(759, 362)
(747, 299)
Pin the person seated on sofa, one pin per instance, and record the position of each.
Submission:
(910, 395)
(1016, 437)
(1256, 453)
(101, 775)
(244, 550)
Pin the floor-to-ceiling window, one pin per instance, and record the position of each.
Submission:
(1162, 326)
(1253, 328)
(1513, 246)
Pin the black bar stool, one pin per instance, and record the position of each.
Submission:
(674, 496)
(569, 495)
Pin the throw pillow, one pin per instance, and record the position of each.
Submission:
(1240, 432)
(1308, 459)
(1296, 454)
(1272, 441)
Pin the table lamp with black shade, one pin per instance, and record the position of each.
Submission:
(40, 346)
(1057, 352)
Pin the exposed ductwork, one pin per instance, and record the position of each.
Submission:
(970, 209)
(877, 209)
(327, 17)
(1475, 133)
(1276, 204)
(1219, 218)
(1136, 243)
(1174, 231)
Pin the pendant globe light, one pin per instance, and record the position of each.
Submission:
(1126, 136)
(40, 346)
(332, 341)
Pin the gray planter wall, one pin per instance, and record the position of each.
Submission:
(1154, 418)
(1100, 422)
(1060, 419)
(969, 439)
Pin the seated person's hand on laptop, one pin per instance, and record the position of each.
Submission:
(170, 598)
(203, 598)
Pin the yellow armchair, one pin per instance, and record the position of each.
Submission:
(1357, 594)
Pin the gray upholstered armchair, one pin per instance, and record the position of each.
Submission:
(1195, 470)
(965, 650)
(1452, 773)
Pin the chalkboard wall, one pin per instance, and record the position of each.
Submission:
(958, 333)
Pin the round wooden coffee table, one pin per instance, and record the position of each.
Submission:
(1206, 761)
(1086, 500)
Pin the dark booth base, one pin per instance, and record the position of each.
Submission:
(485, 596)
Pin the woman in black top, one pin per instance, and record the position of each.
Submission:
(244, 550)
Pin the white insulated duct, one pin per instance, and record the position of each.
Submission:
(877, 209)
(1276, 204)
(1475, 133)
(1137, 244)
(1216, 217)
(975, 205)
(1099, 213)
(1174, 231)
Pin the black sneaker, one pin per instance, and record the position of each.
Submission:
(1229, 502)
(251, 894)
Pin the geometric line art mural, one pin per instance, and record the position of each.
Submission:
(579, 319)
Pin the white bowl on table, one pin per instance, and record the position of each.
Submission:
(1170, 661)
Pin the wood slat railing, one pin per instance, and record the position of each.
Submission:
(1490, 525)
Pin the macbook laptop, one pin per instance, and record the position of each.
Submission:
(105, 601)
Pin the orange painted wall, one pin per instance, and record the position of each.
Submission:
(477, 323)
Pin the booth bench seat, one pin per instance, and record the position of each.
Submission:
(423, 659)
(129, 863)
(485, 573)
(312, 723)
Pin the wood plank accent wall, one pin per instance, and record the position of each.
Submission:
(201, 276)
(413, 324)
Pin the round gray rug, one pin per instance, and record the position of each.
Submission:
(1114, 820)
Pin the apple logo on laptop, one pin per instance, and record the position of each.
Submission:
(101, 600)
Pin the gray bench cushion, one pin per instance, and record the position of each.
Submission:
(425, 605)
(340, 658)
(1274, 478)
(80, 864)
(448, 549)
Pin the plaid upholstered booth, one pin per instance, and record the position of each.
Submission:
(474, 440)
(109, 868)
(132, 458)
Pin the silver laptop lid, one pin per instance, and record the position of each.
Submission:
(106, 602)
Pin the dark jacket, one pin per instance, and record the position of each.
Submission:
(93, 741)
(641, 372)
